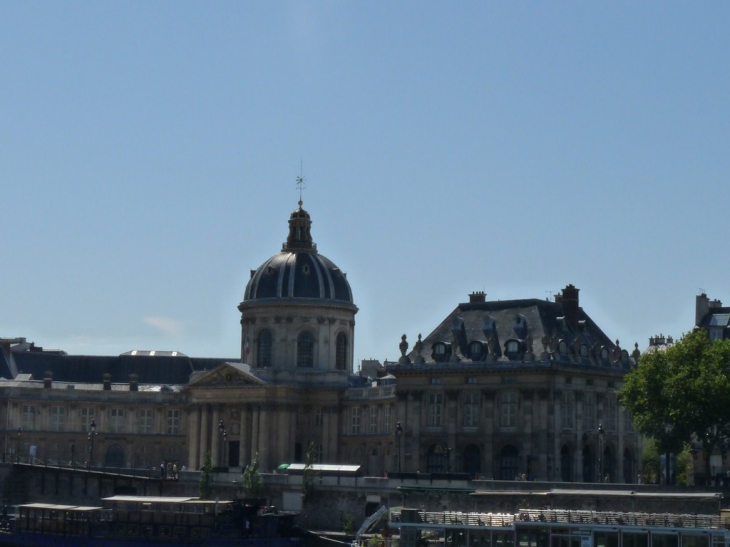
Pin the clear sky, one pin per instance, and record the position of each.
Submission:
(149, 150)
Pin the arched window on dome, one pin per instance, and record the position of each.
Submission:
(263, 349)
(305, 350)
(341, 352)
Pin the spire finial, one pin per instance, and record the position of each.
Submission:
(300, 182)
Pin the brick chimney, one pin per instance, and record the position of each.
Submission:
(570, 305)
(477, 296)
(702, 308)
(47, 380)
(133, 382)
(107, 381)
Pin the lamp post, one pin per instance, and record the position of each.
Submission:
(223, 434)
(17, 447)
(398, 435)
(601, 434)
(92, 434)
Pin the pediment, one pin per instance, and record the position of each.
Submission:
(226, 375)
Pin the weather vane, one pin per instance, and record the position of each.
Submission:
(300, 182)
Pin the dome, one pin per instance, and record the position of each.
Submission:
(299, 271)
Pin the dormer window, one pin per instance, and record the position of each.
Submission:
(584, 350)
(440, 352)
(476, 351)
(563, 348)
(604, 353)
(512, 348)
(624, 357)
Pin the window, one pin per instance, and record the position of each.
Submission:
(173, 422)
(355, 420)
(435, 404)
(305, 350)
(609, 413)
(318, 418)
(513, 346)
(589, 412)
(584, 350)
(373, 420)
(263, 349)
(144, 423)
(318, 453)
(58, 418)
(116, 420)
(470, 380)
(509, 409)
(87, 416)
(566, 411)
(440, 354)
(476, 351)
(387, 410)
(715, 334)
(435, 381)
(27, 418)
(341, 352)
(470, 414)
(628, 421)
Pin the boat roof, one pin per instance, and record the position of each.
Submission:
(56, 507)
(164, 499)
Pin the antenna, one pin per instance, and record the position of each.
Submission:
(300, 181)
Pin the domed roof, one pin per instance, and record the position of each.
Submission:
(299, 271)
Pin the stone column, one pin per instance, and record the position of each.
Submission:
(264, 448)
(244, 453)
(204, 428)
(193, 438)
(215, 438)
(254, 433)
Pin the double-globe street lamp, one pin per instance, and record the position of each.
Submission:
(223, 437)
(601, 434)
(398, 435)
(91, 435)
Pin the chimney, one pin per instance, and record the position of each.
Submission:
(702, 308)
(133, 382)
(107, 381)
(477, 297)
(48, 380)
(570, 305)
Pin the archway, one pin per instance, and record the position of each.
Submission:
(472, 460)
(509, 463)
(436, 459)
(114, 456)
(589, 465)
(628, 466)
(609, 465)
(566, 464)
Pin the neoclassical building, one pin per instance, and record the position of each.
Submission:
(498, 389)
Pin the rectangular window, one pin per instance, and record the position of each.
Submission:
(509, 409)
(470, 380)
(373, 420)
(58, 418)
(589, 412)
(435, 381)
(566, 411)
(470, 414)
(144, 421)
(319, 454)
(86, 415)
(173, 422)
(435, 407)
(628, 421)
(27, 418)
(116, 420)
(387, 419)
(318, 418)
(355, 420)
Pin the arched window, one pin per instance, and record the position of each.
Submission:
(509, 464)
(305, 350)
(114, 456)
(436, 459)
(263, 349)
(341, 352)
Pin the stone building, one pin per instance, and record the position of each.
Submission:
(498, 389)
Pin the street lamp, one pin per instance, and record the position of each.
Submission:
(223, 435)
(601, 434)
(92, 434)
(398, 435)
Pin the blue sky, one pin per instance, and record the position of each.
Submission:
(149, 150)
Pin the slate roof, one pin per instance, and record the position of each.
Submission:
(526, 321)
(151, 369)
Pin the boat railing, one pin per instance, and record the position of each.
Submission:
(561, 516)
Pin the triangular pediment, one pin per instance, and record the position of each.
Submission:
(226, 375)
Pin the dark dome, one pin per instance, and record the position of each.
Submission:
(298, 271)
(302, 274)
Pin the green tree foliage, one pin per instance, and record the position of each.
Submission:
(681, 392)
(309, 473)
(651, 458)
(206, 477)
(251, 479)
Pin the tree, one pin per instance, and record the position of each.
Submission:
(251, 479)
(309, 473)
(206, 477)
(682, 392)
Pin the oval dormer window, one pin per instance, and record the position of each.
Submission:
(604, 353)
(440, 352)
(476, 351)
(563, 347)
(584, 351)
